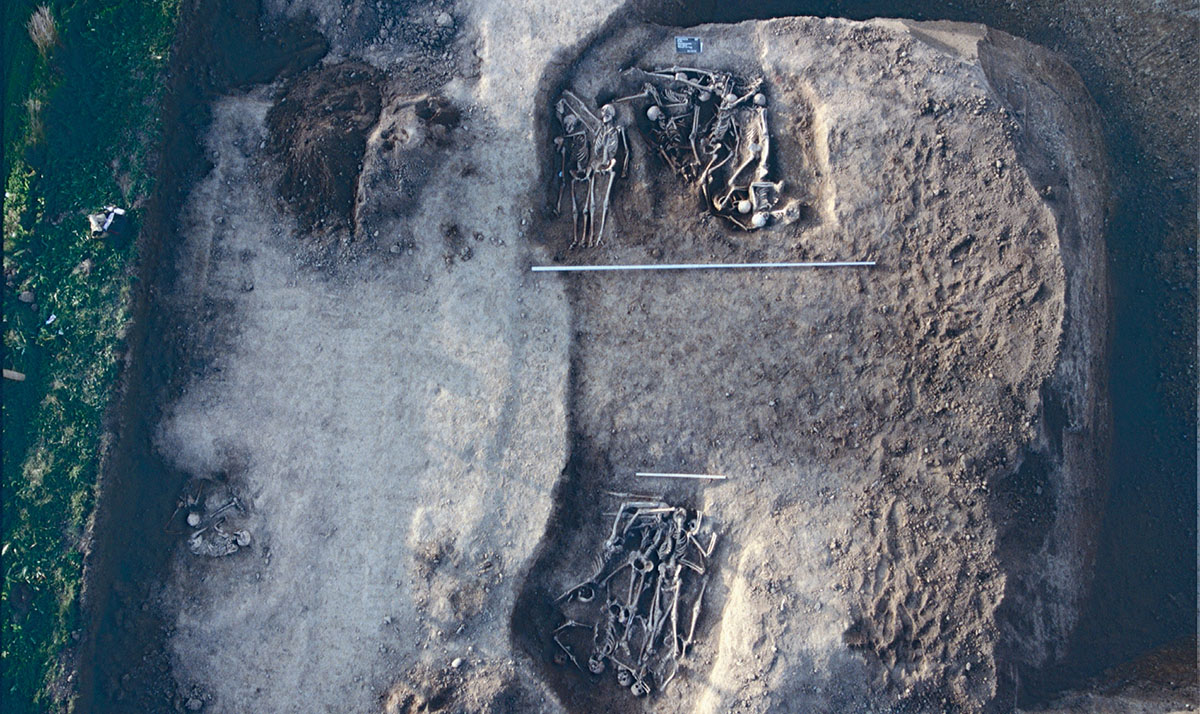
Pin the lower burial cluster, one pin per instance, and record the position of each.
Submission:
(637, 612)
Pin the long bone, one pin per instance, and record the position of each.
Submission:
(590, 120)
(604, 209)
(656, 629)
(719, 79)
(636, 506)
(675, 618)
(706, 553)
(561, 143)
(695, 616)
(664, 681)
(217, 517)
(589, 213)
(622, 494)
(582, 174)
(567, 650)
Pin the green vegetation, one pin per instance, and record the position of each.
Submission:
(82, 90)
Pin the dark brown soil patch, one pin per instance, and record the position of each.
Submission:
(318, 130)
(226, 45)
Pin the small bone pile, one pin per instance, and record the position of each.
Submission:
(711, 130)
(637, 612)
(205, 511)
(589, 148)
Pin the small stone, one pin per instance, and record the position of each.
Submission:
(194, 704)
(457, 662)
(193, 519)
(445, 20)
(26, 297)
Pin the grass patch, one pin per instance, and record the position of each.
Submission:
(82, 93)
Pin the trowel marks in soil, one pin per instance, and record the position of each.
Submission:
(886, 432)
(318, 131)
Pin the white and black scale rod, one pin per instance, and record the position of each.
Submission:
(698, 266)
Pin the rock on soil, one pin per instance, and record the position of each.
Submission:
(424, 430)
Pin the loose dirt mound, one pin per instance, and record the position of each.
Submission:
(318, 131)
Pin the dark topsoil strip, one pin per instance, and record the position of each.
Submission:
(123, 662)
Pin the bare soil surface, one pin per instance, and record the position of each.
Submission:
(897, 467)
(421, 431)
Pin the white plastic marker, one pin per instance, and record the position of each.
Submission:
(698, 266)
(658, 475)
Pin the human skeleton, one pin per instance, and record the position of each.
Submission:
(726, 154)
(589, 149)
(647, 565)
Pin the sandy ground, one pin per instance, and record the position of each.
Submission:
(419, 427)
(394, 407)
